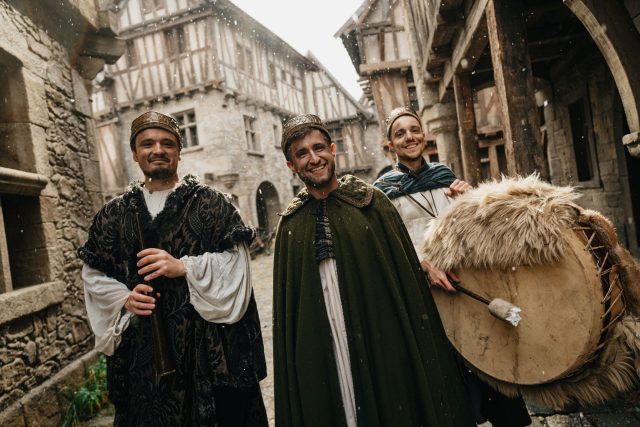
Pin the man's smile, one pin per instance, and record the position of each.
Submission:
(317, 168)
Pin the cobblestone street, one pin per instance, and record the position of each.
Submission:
(261, 270)
(615, 414)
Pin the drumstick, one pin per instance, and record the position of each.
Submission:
(498, 307)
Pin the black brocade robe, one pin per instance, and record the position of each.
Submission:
(403, 367)
(209, 357)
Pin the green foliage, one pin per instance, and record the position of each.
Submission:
(90, 397)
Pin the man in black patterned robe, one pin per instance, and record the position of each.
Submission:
(195, 254)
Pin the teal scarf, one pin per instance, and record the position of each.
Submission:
(403, 180)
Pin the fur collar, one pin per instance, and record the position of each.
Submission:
(134, 199)
(351, 190)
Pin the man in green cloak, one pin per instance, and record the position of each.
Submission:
(357, 338)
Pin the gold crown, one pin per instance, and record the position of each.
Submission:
(298, 122)
(153, 119)
(395, 114)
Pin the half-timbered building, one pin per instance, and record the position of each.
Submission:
(516, 86)
(230, 82)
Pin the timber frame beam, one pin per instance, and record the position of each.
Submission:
(468, 46)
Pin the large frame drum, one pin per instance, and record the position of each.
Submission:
(577, 288)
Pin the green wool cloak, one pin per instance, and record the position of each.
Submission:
(403, 366)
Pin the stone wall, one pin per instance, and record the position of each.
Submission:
(590, 78)
(43, 325)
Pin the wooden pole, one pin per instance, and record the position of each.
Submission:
(514, 83)
(467, 128)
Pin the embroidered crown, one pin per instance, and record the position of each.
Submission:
(299, 122)
(397, 113)
(153, 119)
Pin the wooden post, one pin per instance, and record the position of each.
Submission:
(514, 83)
(467, 128)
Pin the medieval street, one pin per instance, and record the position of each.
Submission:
(619, 414)
(455, 184)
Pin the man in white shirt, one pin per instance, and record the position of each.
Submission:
(187, 241)
(420, 191)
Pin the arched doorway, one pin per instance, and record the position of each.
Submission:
(267, 206)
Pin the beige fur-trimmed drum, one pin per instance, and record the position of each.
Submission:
(527, 242)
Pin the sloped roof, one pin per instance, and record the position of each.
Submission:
(356, 19)
(347, 32)
(335, 81)
(232, 14)
(230, 10)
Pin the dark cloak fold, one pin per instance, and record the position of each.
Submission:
(403, 366)
(209, 356)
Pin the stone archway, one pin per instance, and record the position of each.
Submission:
(613, 32)
(267, 206)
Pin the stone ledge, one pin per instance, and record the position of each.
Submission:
(21, 182)
(22, 302)
(41, 406)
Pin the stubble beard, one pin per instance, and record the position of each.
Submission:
(325, 182)
(407, 159)
(160, 174)
(410, 159)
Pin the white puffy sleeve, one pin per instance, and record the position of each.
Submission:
(220, 283)
(104, 298)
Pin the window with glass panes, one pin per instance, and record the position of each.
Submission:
(250, 133)
(24, 259)
(272, 73)
(337, 138)
(175, 41)
(151, 6)
(276, 136)
(188, 128)
(131, 53)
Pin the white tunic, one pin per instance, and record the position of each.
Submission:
(415, 218)
(333, 305)
(219, 287)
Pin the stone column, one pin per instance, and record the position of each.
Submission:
(442, 122)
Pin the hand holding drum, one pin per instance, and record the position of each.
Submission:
(527, 243)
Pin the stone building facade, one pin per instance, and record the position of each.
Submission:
(521, 86)
(49, 190)
(230, 82)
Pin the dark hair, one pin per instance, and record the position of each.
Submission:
(300, 134)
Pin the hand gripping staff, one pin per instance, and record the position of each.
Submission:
(163, 363)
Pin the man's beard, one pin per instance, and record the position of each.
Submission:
(159, 173)
(324, 183)
(410, 158)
